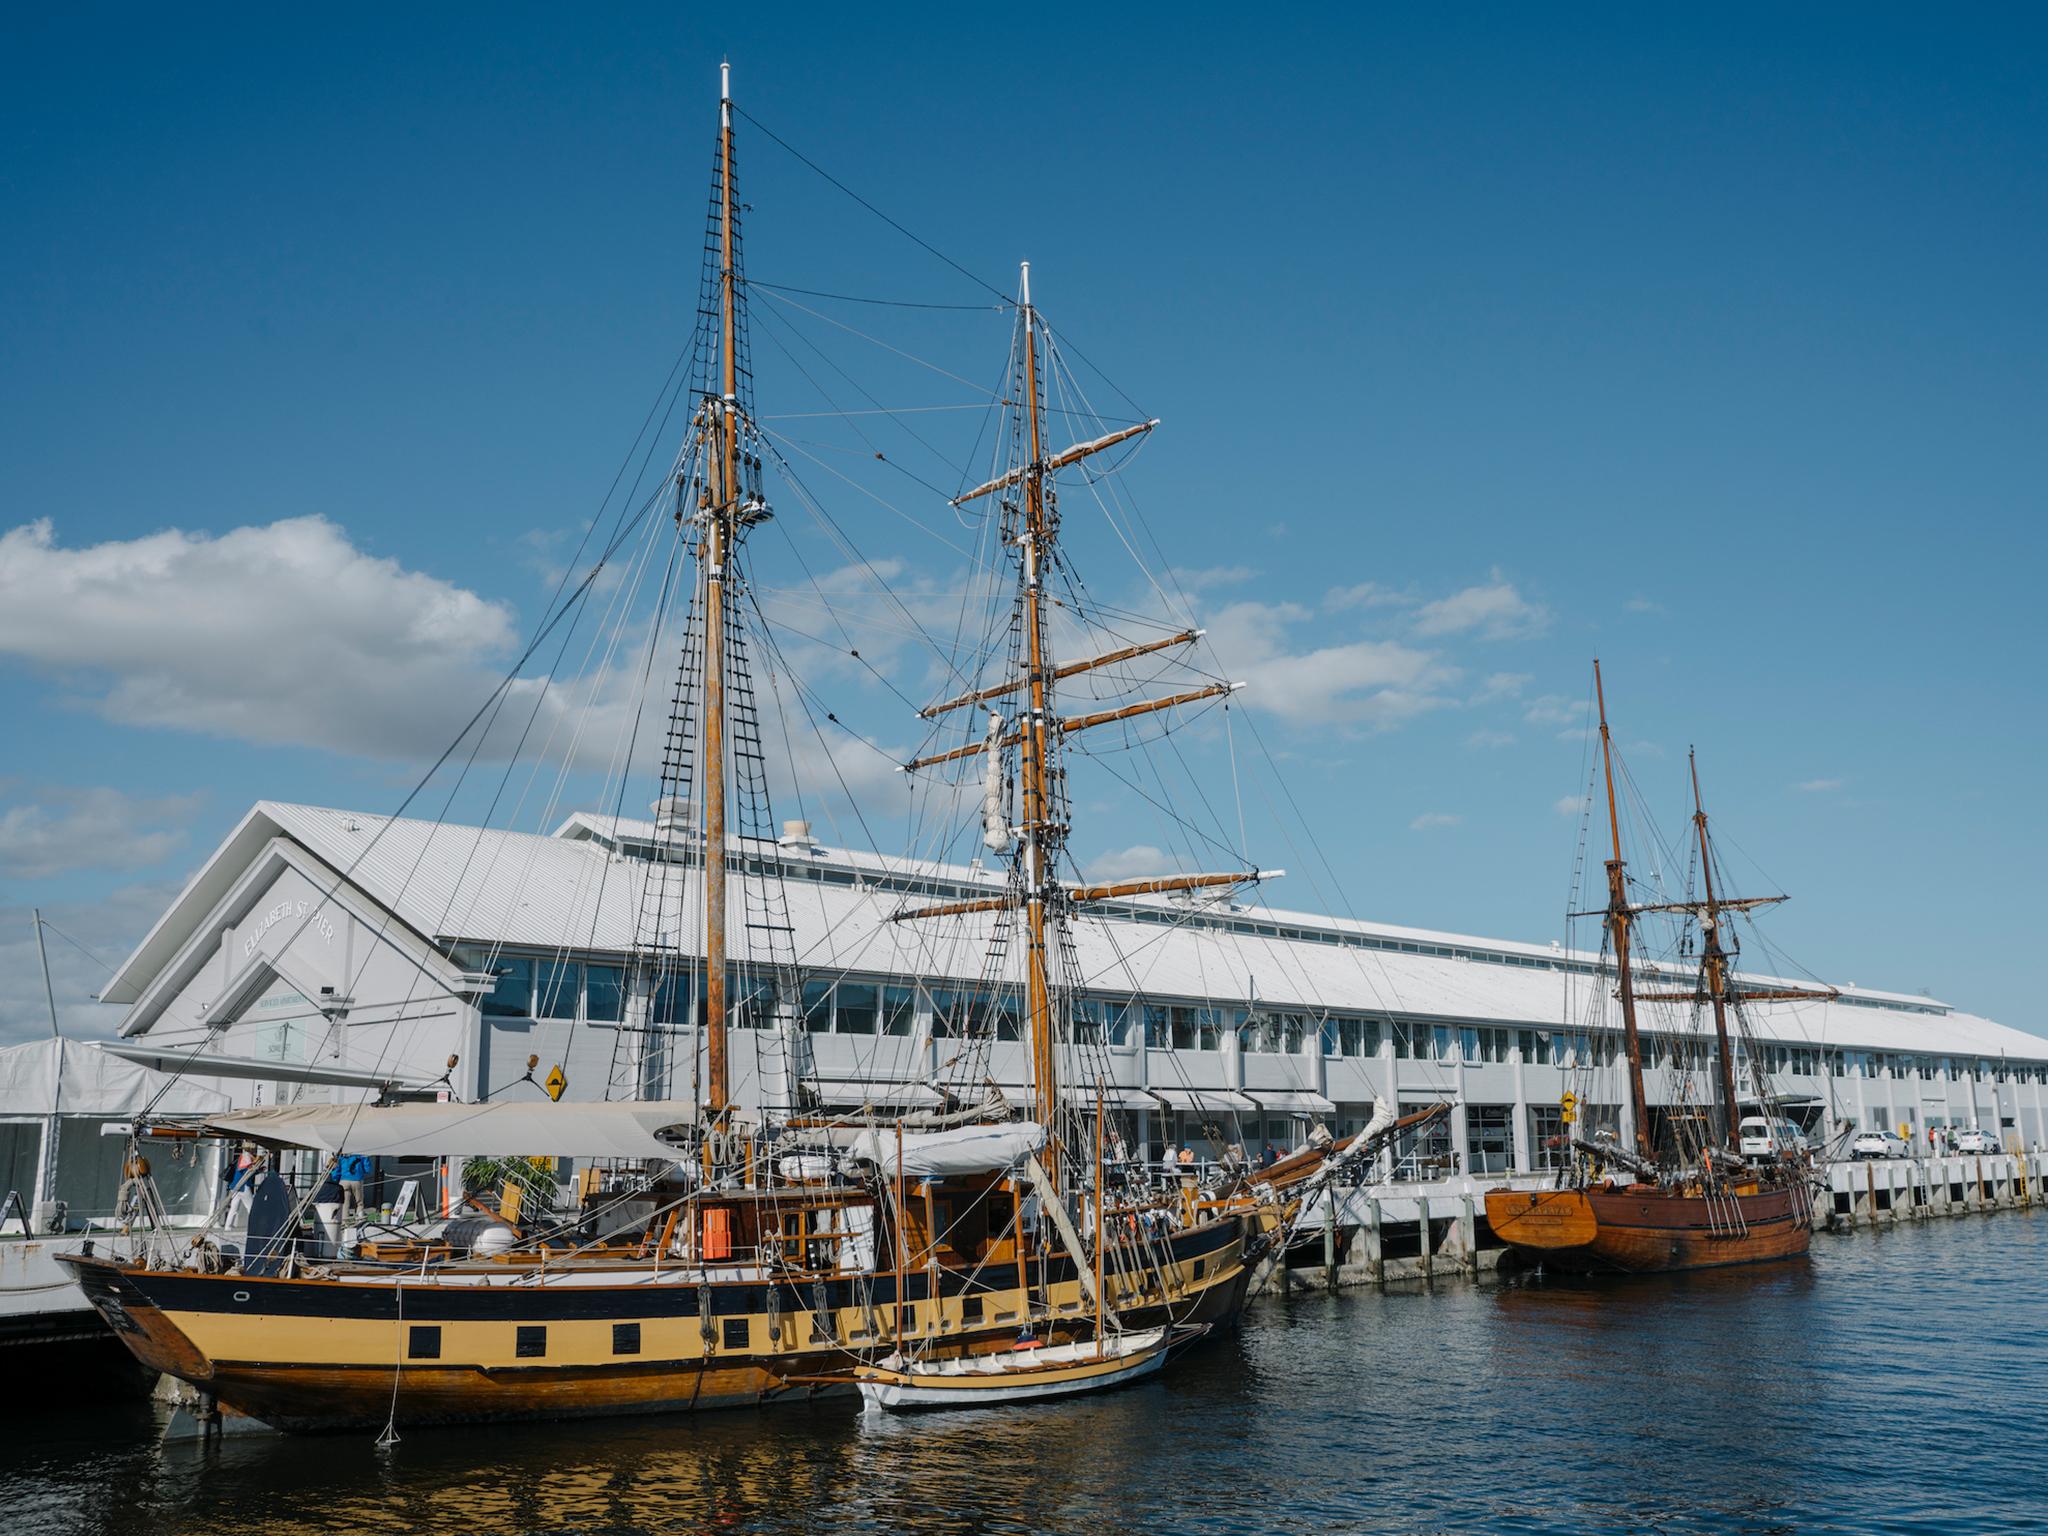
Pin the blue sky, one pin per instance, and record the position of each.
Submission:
(1484, 344)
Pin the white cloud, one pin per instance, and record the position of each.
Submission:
(63, 829)
(1430, 821)
(1502, 685)
(1483, 738)
(1553, 709)
(110, 929)
(1642, 605)
(1568, 805)
(282, 634)
(1367, 594)
(1819, 786)
(1381, 683)
(1130, 863)
(1495, 611)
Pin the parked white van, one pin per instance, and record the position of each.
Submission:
(1761, 1137)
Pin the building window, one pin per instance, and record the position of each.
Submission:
(1489, 1138)
(604, 993)
(512, 997)
(818, 1007)
(899, 1010)
(558, 987)
(1184, 1027)
(423, 1343)
(1535, 1045)
(1549, 1138)
(531, 1343)
(855, 1007)
(625, 1338)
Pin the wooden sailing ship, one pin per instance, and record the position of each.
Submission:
(743, 1276)
(1626, 1210)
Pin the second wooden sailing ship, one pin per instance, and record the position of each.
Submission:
(1696, 1204)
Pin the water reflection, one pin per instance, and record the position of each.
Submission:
(1884, 1386)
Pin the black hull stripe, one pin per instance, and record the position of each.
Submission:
(426, 1302)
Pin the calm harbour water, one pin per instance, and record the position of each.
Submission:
(1896, 1382)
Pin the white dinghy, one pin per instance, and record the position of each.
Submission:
(980, 1381)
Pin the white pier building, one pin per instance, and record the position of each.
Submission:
(325, 953)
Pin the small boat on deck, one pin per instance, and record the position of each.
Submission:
(900, 1384)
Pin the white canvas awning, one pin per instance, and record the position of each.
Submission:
(69, 1077)
(185, 1062)
(1292, 1101)
(1205, 1100)
(858, 1091)
(632, 1129)
(964, 1149)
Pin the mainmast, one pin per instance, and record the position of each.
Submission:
(1714, 961)
(1039, 834)
(1619, 914)
(720, 530)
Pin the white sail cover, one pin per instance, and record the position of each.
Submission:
(627, 1129)
(945, 1154)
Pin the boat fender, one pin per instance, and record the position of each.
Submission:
(483, 1236)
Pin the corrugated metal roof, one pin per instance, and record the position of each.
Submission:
(571, 890)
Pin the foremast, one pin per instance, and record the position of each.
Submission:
(1620, 915)
(1714, 964)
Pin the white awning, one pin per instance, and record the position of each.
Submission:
(946, 1154)
(1292, 1101)
(858, 1091)
(1205, 1100)
(183, 1061)
(632, 1128)
(1114, 1096)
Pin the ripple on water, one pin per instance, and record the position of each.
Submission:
(1892, 1384)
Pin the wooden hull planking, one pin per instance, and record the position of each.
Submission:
(1638, 1230)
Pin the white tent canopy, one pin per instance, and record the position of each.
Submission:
(629, 1129)
(68, 1077)
(946, 1154)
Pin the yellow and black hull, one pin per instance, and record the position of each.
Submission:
(330, 1353)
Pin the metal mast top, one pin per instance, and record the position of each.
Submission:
(1619, 915)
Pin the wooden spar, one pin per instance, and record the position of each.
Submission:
(1746, 995)
(1148, 706)
(1060, 674)
(1076, 723)
(718, 534)
(1036, 470)
(1714, 962)
(1036, 543)
(1156, 886)
(1728, 904)
(1163, 884)
(1099, 1193)
(1618, 918)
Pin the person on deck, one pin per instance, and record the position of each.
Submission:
(352, 1171)
(241, 1187)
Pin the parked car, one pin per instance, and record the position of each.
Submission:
(1761, 1137)
(1879, 1144)
(1974, 1140)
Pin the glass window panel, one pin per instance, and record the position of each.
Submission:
(818, 1007)
(1158, 1026)
(512, 997)
(1183, 1029)
(856, 1008)
(899, 1010)
(604, 993)
(557, 984)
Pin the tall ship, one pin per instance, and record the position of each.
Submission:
(1686, 1198)
(713, 1257)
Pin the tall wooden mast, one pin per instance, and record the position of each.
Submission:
(1619, 915)
(1714, 961)
(723, 435)
(1039, 834)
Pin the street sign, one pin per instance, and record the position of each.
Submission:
(556, 1082)
(1568, 1104)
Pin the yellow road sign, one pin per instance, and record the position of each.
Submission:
(556, 1082)
(1568, 1102)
